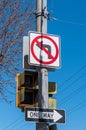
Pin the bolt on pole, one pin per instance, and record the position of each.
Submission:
(41, 26)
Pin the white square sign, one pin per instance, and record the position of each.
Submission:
(44, 50)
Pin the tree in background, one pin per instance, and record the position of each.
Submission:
(16, 19)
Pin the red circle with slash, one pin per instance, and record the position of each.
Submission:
(43, 48)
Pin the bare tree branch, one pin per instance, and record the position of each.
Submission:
(16, 19)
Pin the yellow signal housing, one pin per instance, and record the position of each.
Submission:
(19, 80)
(26, 89)
(52, 103)
(52, 88)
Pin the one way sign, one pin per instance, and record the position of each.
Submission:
(45, 115)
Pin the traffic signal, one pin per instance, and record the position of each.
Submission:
(52, 89)
(52, 103)
(27, 90)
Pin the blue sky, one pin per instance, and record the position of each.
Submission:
(70, 78)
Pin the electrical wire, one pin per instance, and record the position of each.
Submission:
(76, 90)
(73, 75)
(71, 84)
(77, 107)
(17, 124)
(65, 86)
(13, 124)
(61, 20)
(69, 22)
(72, 94)
(25, 126)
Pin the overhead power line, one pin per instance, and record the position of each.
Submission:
(77, 107)
(72, 94)
(69, 22)
(72, 76)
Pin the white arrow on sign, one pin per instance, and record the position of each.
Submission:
(55, 116)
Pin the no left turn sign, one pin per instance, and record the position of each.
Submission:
(44, 50)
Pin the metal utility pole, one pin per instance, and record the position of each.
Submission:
(41, 26)
(44, 55)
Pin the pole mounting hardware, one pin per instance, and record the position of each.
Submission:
(42, 13)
